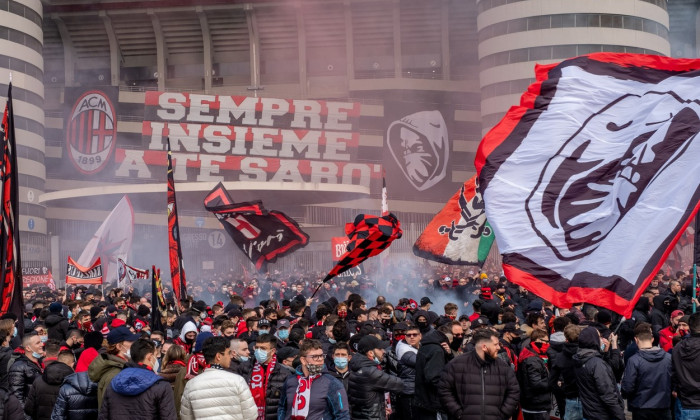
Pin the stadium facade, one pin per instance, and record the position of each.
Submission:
(328, 79)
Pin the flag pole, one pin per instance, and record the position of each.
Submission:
(696, 253)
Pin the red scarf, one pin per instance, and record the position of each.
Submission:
(195, 365)
(302, 397)
(258, 384)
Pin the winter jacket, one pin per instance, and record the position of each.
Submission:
(274, 386)
(367, 386)
(597, 386)
(647, 379)
(57, 326)
(138, 393)
(10, 409)
(342, 377)
(86, 357)
(660, 319)
(430, 361)
(44, 391)
(169, 373)
(328, 399)
(685, 377)
(217, 395)
(666, 337)
(77, 399)
(5, 363)
(102, 370)
(21, 376)
(563, 370)
(471, 388)
(407, 356)
(533, 379)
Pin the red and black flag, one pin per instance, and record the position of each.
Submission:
(157, 299)
(177, 270)
(10, 261)
(369, 236)
(591, 181)
(263, 235)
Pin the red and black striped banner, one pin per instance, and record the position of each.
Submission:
(177, 271)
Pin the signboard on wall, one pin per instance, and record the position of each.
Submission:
(240, 138)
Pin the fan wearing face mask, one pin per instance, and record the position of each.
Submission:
(312, 393)
(533, 377)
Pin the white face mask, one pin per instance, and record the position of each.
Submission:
(128, 353)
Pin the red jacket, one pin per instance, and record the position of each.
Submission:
(666, 337)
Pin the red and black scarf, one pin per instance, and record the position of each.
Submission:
(302, 397)
(258, 384)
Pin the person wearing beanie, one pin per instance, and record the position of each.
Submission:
(93, 343)
(56, 323)
(598, 391)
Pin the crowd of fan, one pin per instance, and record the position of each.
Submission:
(494, 351)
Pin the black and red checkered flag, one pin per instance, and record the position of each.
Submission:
(369, 236)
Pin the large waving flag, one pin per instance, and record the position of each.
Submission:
(10, 261)
(263, 235)
(459, 234)
(177, 270)
(128, 272)
(112, 241)
(369, 236)
(589, 183)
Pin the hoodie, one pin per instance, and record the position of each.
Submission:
(137, 393)
(647, 380)
(181, 340)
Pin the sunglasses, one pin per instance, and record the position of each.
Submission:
(412, 335)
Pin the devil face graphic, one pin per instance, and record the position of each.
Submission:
(600, 172)
(419, 145)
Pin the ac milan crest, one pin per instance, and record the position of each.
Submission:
(91, 132)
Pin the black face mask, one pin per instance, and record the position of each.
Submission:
(423, 326)
(230, 337)
(516, 340)
(456, 343)
(189, 340)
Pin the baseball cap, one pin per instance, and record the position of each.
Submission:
(676, 313)
(370, 342)
(401, 326)
(282, 323)
(425, 300)
(119, 334)
(511, 328)
(480, 322)
(287, 352)
(263, 323)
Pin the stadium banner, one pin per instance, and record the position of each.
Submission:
(339, 246)
(418, 156)
(589, 193)
(90, 127)
(238, 138)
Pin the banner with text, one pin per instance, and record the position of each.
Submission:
(240, 138)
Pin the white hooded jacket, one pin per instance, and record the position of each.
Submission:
(218, 395)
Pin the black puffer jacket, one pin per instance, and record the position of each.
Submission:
(44, 392)
(533, 380)
(57, 326)
(274, 386)
(685, 377)
(597, 386)
(77, 399)
(367, 386)
(22, 374)
(430, 361)
(5, 357)
(471, 388)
